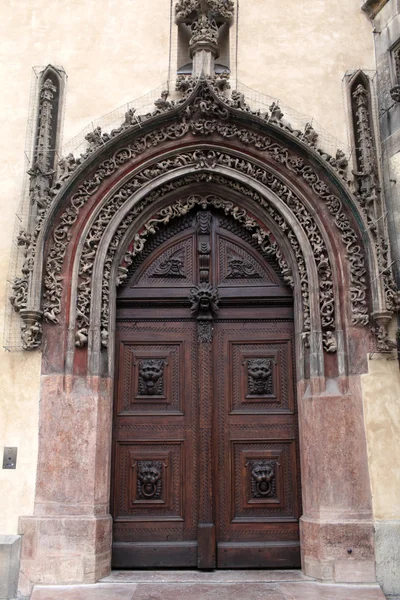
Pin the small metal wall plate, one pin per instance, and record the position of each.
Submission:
(10, 458)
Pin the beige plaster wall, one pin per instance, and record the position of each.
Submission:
(110, 60)
(299, 51)
(381, 397)
(113, 52)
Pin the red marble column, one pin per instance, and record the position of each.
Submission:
(337, 527)
(68, 538)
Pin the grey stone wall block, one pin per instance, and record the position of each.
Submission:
(10, 546)
(387, 551)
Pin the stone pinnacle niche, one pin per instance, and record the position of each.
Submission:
(204, 17)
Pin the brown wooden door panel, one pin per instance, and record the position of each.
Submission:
(155, 446)
(256, 454)
(205, 441)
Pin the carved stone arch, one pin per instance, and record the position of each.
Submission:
(284, 249)
(307, 176)
(311, 253)
(77, 381)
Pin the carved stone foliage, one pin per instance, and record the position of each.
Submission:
(259, 376)
(149, 480)
(151, 377)
(369, 194)
(187, 9)
(41, 172)
(263, 479)
(19, 296)
(211, 160)
(201, 108)
(263, 238)
(366, 174)
(204, 30)
(204, 114)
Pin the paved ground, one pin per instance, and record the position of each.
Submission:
(200, 585)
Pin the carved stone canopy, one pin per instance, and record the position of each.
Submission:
(186, 11)
(204, 17)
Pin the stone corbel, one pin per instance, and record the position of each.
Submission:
(31, 330)
(381, 330)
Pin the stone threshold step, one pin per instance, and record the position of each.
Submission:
(222, 590)
(196, 576)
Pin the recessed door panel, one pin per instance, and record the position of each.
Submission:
(155, 487)
(256, 454)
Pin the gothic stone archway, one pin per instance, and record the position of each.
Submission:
(204, 150)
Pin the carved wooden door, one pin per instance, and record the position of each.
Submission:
(205, 453)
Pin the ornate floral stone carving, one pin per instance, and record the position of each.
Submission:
(42, 170)
(207, 113)
(366, 173)
(204, 31)
(187, 9)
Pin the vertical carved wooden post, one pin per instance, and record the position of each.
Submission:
(204, 300)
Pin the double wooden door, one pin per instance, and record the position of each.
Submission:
(205, 459)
